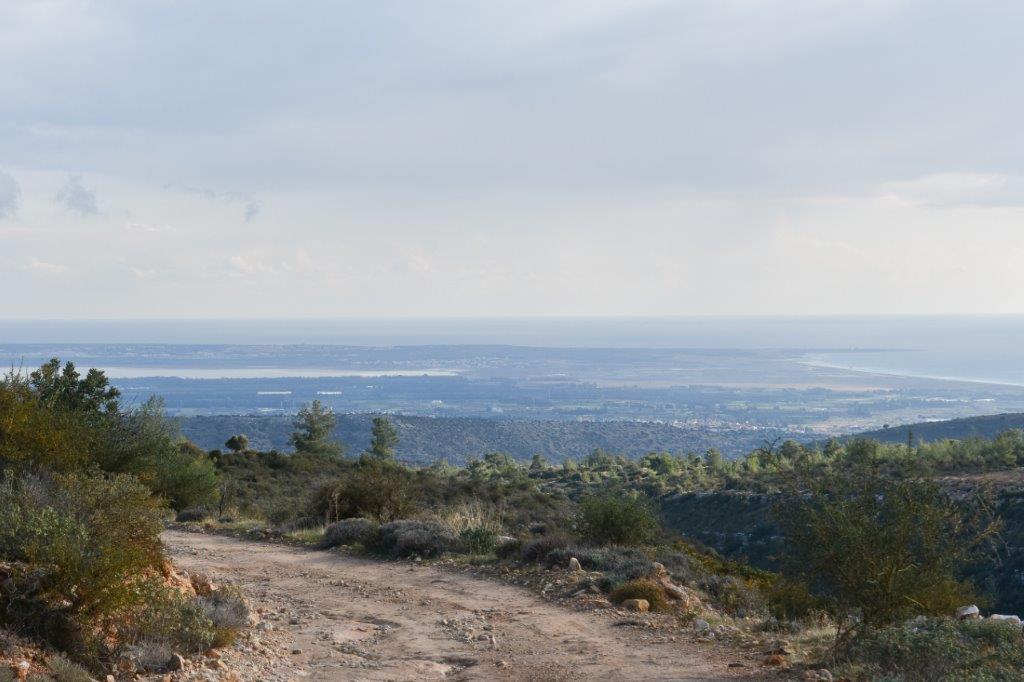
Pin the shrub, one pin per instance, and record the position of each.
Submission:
(620, 564)
(86, 538)
(165, 615)
(192, 514)
(280, 511)
(732, 595)
(380, 490)
(478, 540)
(684, 567)
(883, 548)
(227, 610)
(414, 538)
(618, 520)
(641, 589)
(300, 524)
(348, 532)
(66, 671)
(924, 649)
(789, 600)
(150, 655)
(536, 550)
(509, 549)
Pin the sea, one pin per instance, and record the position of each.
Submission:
(987, 349)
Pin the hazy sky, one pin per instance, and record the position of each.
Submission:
(538, 157)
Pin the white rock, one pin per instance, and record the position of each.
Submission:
(1008, 619)
(574, 564)
(968, 612)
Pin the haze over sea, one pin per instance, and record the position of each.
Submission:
(969, 348)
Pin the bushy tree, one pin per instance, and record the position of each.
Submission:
(314, 427)
(144, 442)
(380, 490)
(385, 439)
(237, 443)
(66, 388)
(881, 548)
(610, 519)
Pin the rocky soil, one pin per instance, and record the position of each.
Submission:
(332, 616)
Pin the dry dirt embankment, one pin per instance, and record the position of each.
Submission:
(328, 616)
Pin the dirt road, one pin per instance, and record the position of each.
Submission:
(329, 616)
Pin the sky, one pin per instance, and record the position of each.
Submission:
(179, 158)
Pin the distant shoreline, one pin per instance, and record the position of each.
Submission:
(910, 375)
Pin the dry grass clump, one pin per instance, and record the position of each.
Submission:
(641, 589)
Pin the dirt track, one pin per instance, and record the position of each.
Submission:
(358, 619)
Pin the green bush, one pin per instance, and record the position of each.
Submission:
(164, 615)
(733, 596)
(641, 589)
(478, 540)
(929, 650)
(380, 490)
(618, 520)
(789, 600)
(881, 548)
(83, 540)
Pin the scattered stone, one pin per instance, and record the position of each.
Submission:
(966, 612)
(1014, 620)
(701, 625)
(637, 605)
(177, 662)
(501, 664)
(737, 664)
(574, 565)
(202, 584)
(296, 652)
(659, 569)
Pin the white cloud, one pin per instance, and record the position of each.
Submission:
(145, 228)
(249, 265)
(951, 189)
(544, 157)
(46, 267)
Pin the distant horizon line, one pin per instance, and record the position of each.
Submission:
(514, 318)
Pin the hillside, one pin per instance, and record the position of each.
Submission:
(988, 426)
(427, 439)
